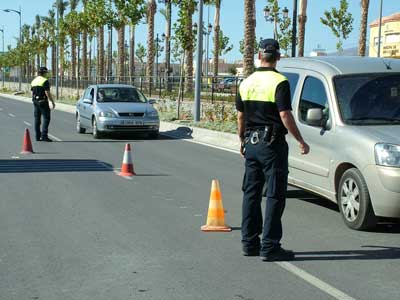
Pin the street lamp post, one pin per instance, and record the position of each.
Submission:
(207, 33)
(57, 47)
(20, 40)
(3, 73)
(380, 30)
(294, 28)
(274, 17)
(198, 65)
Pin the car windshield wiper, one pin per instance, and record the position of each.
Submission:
(375, 119)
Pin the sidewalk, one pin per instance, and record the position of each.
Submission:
(221, 140)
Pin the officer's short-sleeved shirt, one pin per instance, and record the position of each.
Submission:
(40, 90)
(262, 113)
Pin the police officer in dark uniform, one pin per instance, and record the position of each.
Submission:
(264, 118)
(41, 95)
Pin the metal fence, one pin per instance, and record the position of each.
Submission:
(221, 88)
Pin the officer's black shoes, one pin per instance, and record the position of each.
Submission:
(251, 252)
(279, 254)
(38, 139)
(46, 139)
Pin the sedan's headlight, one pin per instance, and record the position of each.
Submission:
(107, 114)
(152, 114)
(387, 155)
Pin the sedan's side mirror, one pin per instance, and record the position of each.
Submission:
(88, 101)
(315, 117)
(152, 101)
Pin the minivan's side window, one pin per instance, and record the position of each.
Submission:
(313, 95)
(293, 80)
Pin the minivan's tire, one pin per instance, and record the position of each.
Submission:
(96, 133)
(79, 129)
(354, 201)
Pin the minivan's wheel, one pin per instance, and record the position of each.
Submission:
(79, 129)
(96, 133)
(354, 201)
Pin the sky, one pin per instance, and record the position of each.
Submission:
(232, 21)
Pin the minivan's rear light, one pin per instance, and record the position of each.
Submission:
(387, 155)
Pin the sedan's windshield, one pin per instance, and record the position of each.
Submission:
(369, 99)
(119, 94)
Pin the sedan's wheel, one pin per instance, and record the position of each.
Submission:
(96, 133)
(354, 201)
(79, 129)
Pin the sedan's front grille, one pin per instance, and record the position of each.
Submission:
(130, 114)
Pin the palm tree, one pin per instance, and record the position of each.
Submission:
(26, 41)
(50, 22)
(151, 11)
(72, 27)
(363, 27)
(302, 26)
(217, 30)
(249, 37)
(37, 32)
(61, 6)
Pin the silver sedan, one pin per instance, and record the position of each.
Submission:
(112, 108)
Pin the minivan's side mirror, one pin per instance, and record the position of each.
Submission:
(152, 101)
(88, 101)
(315, 117)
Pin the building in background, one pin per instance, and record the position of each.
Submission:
(390, 37)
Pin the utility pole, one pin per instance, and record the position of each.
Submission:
(198, 64)
(3, 67)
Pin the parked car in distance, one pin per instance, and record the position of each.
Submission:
(116, 108)
(226, 83)
(348, 111)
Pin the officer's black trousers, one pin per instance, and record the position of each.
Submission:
(39, 111)
(271, 162)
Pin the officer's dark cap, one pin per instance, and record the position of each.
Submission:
(269, 46)
(43, 70)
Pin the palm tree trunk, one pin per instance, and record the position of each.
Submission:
(189, 60)
(132, 53)
(302, 26)
(216, 36)
(363, 27)
(152, 7)
(121, 52)
(100, 54)
(53, 59)
(249, 36)
(73, 57)
(84, 55)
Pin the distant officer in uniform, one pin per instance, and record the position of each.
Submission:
(41, 95)
(264, 118)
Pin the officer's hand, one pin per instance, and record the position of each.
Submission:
(242, 150)
(54, 105)
(304, 148)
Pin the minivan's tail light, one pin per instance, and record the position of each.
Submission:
(387, 155)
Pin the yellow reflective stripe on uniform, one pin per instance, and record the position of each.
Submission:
(39, 81)
(261, 86)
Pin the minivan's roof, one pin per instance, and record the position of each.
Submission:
(335, 65)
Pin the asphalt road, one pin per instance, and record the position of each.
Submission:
(70, 228)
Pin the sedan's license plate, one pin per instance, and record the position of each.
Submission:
(132, 122)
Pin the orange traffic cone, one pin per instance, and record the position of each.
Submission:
(127, 165)
(216, 213)
(27, 146)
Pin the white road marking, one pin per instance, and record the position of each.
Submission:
(11, 115)
(199, 215)
(55, 138)
(1, 109)
(27, 123)
(318, 283)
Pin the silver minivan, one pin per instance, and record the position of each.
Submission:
(348, 110)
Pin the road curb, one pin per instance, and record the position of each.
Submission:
(222, 140)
